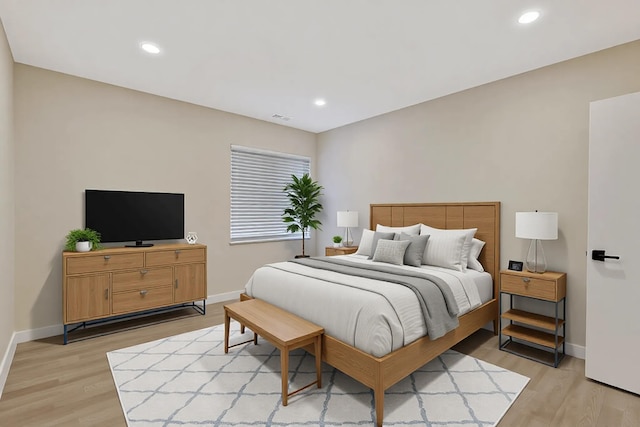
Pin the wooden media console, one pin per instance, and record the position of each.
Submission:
(117, 282)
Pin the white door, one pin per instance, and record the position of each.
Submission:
(613, 285)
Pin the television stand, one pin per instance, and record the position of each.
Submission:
(139, 244)
(108, 284)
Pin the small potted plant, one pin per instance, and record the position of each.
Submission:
(337, 241)
(83, 240)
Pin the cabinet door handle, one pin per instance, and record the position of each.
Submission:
(143, 292)
(526, 279)
(176, 283)
(178, 252)
(107, 257)
(106, 294)
(144, 272)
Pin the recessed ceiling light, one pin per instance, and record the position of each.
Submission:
(529, 17)
(320, 102)
(150, 48)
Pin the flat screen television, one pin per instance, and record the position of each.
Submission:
(134, 216)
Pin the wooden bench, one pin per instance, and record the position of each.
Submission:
(284, 330)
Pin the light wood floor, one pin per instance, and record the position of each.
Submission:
(50, 384)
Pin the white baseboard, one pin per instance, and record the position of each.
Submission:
(54, 330)
(228, 296)
(39, 333)
(575, 350)
(6, 361)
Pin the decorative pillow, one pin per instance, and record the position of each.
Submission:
(415, 250)
(391, 251)
(474, 253)
(447, 248)
(377, 236)
(368, 242)
(412, 230)
(365, 242)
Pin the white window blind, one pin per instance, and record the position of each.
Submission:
(257, 198)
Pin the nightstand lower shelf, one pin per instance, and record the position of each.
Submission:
(541, 338)
(531, 353)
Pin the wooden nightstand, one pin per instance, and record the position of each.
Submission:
(530, 334)
(344, 250)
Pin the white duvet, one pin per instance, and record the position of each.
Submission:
(374, 316)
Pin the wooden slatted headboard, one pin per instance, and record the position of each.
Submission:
(485, 216)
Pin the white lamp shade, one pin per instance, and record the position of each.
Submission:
(537, 225)
(347, 219)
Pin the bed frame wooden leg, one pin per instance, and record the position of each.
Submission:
(496, 326)
(378, 396)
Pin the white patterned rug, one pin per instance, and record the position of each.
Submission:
(187, 380)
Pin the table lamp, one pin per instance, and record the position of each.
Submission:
(347, 219)
(536, 226)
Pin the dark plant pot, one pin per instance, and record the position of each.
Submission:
(302, 256)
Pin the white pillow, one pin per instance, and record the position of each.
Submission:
(365, 243)
(391, 251)
(447, 248)
(474, 253)
(411, 230)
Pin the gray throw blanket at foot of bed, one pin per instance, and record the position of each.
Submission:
(436, 299)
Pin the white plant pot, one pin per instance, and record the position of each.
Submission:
(83, 246)
(337, 245)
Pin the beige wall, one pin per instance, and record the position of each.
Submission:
(73, 134)
(7, 204)
(522, 141)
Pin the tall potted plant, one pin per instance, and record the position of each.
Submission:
(304, 194)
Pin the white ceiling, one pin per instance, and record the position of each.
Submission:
(258, 58)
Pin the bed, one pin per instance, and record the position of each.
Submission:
(394, 355)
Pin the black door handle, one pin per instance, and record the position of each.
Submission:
(598, 255)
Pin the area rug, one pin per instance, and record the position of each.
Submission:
(187, 380)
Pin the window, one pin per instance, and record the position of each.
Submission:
(257, 200)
